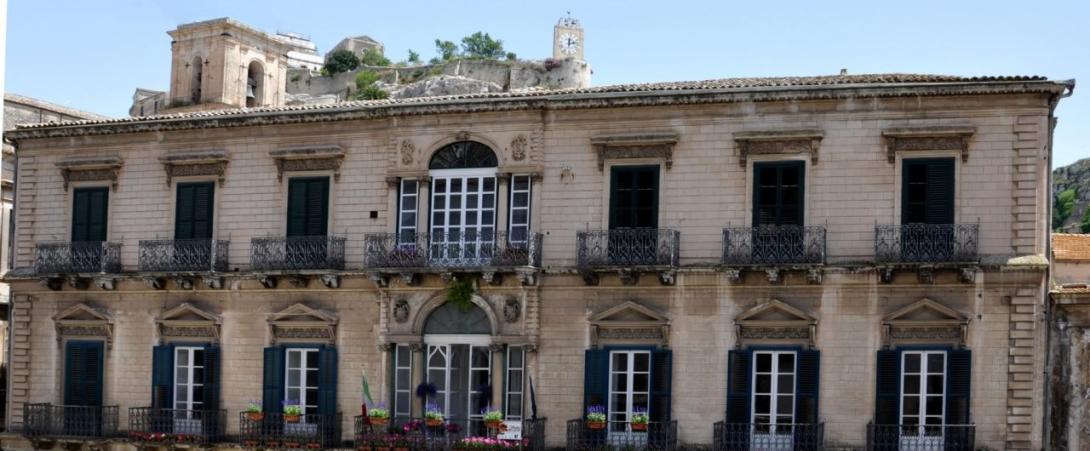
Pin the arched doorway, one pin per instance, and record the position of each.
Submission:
(255, 85)
(463, 204)
(458, 361)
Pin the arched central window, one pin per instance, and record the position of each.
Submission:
(463, 155)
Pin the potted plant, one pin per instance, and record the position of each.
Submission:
(639, 419)
(433, 416)
(596, 417)
(379, 415)
(292, 411)
(254, 413)
(493, 418)
(314, 445)
(291, 444)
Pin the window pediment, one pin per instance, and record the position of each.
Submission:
(187, 321)
(308, 158)
(927, 138)
(777, 321)
(82, 321)
(924, 321)
(194, 163)
(638, 145)
(630, 322)
(90, 169)
(301, 323)
(777, 142)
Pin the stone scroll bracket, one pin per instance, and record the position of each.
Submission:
(198, 163)
(308, 158)
(630, 146)
(778, 142)
(90, 169)
(927, 138)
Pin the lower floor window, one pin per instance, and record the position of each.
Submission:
(629, 386)
(188, 378)
(773, 389)
(301, 385)
(923, 383)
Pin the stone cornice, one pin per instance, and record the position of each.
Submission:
(560, 100)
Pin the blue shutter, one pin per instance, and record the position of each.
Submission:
(327, 380)
(661, 381)
(595, 378)
(83, 373)
(162, 380)
(738, 395)
(273, 384)
(806, 395)
(212, 378)
(887, 402)
(959, 375)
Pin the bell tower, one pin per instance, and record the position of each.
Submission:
(568, 39)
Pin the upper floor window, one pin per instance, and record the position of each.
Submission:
(778, 193)
(308, 206)
(193, 211)
(89, 213)
(463, 155)
(634, 197)
(927, 191)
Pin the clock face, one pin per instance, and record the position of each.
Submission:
(569, 44)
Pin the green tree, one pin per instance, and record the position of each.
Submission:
(365, 79)
(372, 57)
(1063, 207)
(414, 57)
(1084, 227)
(480, 45)
(341, 61)
(447, 50)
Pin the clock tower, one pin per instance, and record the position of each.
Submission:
(568, 39)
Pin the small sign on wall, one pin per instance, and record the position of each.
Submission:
(512, 431)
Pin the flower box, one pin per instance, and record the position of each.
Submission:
(255, 416)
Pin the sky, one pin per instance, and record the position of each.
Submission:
(91, 55)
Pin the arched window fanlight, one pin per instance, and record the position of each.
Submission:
(451, 319)
(464, 155)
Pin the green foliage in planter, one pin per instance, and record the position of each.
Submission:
(460, 293)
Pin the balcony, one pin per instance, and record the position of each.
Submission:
(622, 435)
(785, 437)
(183, 255)
(904, 437)
(295, 253)
(50, 421)
(71, 257)
(176, 427)
(450, 434)
(274, 431)
(451, 250)
(774, 245)
(628, 248)
(926, 243)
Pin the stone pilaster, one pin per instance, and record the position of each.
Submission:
(1028, 146)
(1023, 375)
(19, 372)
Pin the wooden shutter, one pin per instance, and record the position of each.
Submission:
(927, 191)
(212, 377)
(273, 383)
(83, 373)
(193, 211)
(738, 385)
(89, 214)
(308, 206)
(595, 378)
(634, 197)
(661, 381)
(959, 374)
(162, 377)
(327, 380)
(778, 193)
(887, 405)
(806, 394)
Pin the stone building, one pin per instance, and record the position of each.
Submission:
(1069, 353)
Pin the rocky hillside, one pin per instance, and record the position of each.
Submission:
(1074, 177)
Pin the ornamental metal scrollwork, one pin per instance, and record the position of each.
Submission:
(401, 311)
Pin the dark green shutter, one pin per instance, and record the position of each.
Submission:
(89, 214)
(308, 206)
(778, 190)
(83, 373)
(738, 385)
(273, 383)
(193, 211)
(887, 402)
(634, 197)
(327, 380)
(927, 191)
(162, 377)
(806, 396)
(959, 374)
(662, 369)
(212, 369)
(595, 378)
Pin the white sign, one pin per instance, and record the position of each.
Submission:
(513, 432)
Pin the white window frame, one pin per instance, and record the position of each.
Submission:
(443, 344)
(623, 418)
(303, 382)
(398, 409)
(921, 412)
(513, 373)
(512, 208)
(190, 365)
(440, 233)
(405, 229)
(774, 427)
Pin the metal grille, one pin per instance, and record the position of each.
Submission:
(452, 249)
(66, 257)
(451, 434)
(781, 437)
(903, 437)
(149, 424)
(273, 431)
(297, 252)
(183, 255)
(621, 435)
(628, 247)
(774, 245)
(47, 420)
(926, 243)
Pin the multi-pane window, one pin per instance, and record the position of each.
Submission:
(923, 388)
(403, 370)
(516, 377)
(408, 205)
(773, 389)
(629, 386)
(189, 378)
(463, 214)
(302, 378)
(519, 214)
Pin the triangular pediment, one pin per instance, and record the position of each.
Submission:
(302, 313)
(773, 310)
(628, 312)
(925, 311)
(82, 312)
(187, 312)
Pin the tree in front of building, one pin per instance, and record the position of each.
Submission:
(372, 57)
(341, 61)
(480, 45)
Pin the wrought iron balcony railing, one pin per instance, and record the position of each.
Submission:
(786, 437)
(451, 433)
(628, 247)
(926, 243)
(52, 421)
(622, 435)
(183, 255)
(171, 426)
(452, 249)
(297, 253)
(278, 431)
(774, 245)
(68, 257)
(914, 437)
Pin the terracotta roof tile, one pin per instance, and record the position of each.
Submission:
(1070, 246)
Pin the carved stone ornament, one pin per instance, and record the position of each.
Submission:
(301, 322)
(786, 142)
(84, 321)
(923, 322)
(776, 333)
(201, 163)
(187, 321)
(408, 150)
(316, 158)
(518, 148)
(512, 310)
(401, 311)
(928, 138)
(642, 145)
(90, 169)
(775, 320)
(630, 322)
